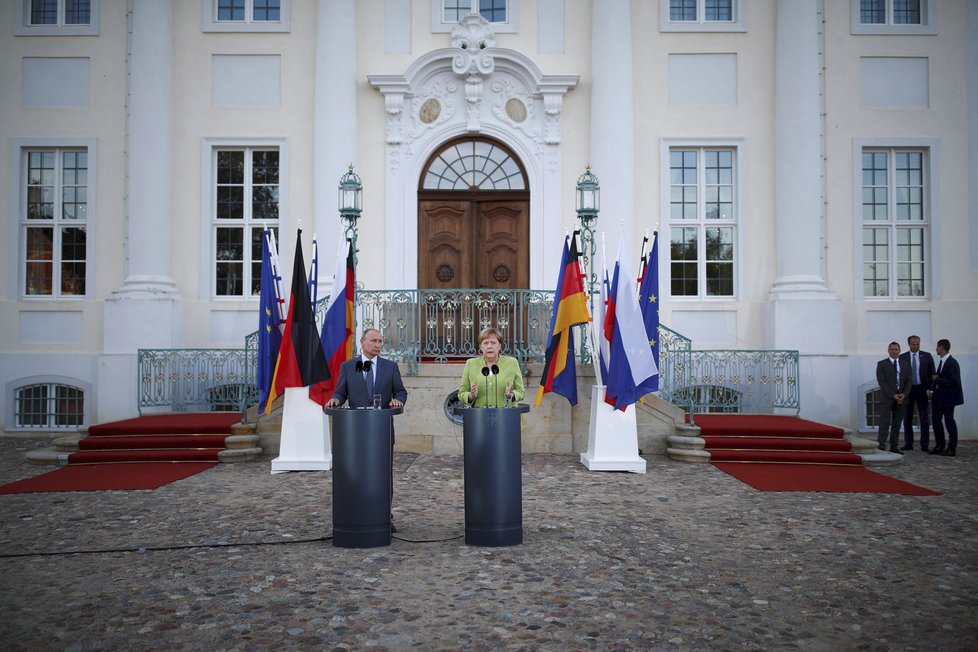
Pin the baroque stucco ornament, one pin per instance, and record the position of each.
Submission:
(462, 89)
(472, 38)
(473, 35)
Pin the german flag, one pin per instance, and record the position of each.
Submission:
(570, 309)
(301, 361)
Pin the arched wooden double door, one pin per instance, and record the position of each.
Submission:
(473, 218)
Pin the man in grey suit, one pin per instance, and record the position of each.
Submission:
(894, 382)
(921, 365)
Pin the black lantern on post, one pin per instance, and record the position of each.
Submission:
(588, 205)
(351, 205)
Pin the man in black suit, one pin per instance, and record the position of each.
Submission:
(894, 381)
(921, 365)
(362, 378)
(947, 394)
(367, 376)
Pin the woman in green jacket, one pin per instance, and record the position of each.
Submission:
(491, 380)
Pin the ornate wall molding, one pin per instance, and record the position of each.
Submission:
(472, 87)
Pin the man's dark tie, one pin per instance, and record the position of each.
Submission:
(370, 383)
(939, 365)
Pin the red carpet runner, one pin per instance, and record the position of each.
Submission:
(143, 453)
(779, 453)
(125, 476)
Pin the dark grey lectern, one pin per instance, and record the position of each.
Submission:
(493, 480)
(361, 476)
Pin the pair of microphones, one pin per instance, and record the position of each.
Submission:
(364, 366)
(490, 371)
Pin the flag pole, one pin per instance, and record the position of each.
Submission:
(277, 276)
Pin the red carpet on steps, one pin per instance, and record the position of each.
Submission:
(181, 437)
(142, 453)
(772, 438)
(779, 453)
(170, 424)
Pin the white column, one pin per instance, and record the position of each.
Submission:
(612, 116)
(145, 311)
(801, 312)
(150, 149)
(797, 152)
(335, 123)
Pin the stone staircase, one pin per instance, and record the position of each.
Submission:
(241, 445)
(688, 445)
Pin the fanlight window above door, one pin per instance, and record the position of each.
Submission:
(474, 164)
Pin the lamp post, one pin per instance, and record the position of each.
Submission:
(588, 205)
(350, 205)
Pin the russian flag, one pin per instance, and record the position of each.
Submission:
(630, 363)
(338, 326)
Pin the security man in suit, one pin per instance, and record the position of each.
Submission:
(894, 382)
(947, 394)
(921, 365)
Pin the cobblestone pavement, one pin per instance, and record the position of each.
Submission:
(682, 558)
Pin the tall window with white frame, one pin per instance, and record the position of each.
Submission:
(246, 203)
(895, 223)
(702, 222)
(889, 12)
(60, 12)
(703, 11)
(54, 223)
(249, 11)
(493, 11)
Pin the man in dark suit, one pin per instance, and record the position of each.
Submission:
(921, 365)
(367, 376)
(947, 394)
(894, 382)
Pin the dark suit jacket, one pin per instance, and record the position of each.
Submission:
(886, 377)
(351, 385)
(947, 386)
(927, 366)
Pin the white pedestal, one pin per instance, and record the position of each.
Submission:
(305, 442)
(612, 443)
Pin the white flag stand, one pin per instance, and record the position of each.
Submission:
(305, 444)
(612, 443)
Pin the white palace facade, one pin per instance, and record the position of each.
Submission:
(811, 166)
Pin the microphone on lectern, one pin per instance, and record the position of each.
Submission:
(359, 366)
(486, 372)
(495, 396)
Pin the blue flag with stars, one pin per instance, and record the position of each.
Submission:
(269, 333)
(648, 299)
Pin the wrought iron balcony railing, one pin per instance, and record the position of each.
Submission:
(442, 325)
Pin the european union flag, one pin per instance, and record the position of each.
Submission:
(269, 320)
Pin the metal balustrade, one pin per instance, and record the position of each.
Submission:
(439, 326)
(742, 381)
(206, 380)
